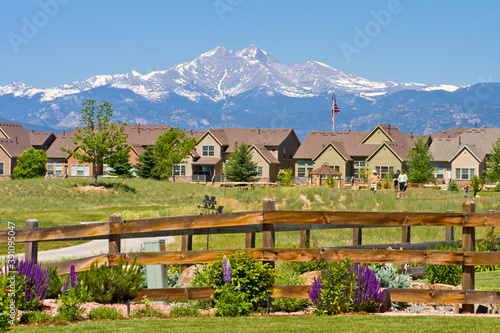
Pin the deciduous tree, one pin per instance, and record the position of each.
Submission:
(31, 164)
(99, 138)
(419, 164)
(172, 147)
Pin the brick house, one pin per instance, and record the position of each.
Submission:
(14, 140)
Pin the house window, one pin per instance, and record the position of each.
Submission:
(301, 163)
(357, 168)
(310, 163)
(301, 172)
(180, 170)
(208, 150)
(106, 169)
(259, 171)
(79, 170)
(384, 170)
(2, 168)
(59, 169)
(464, 173)
(50, 169)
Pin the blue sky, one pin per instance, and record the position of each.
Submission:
(50, 42)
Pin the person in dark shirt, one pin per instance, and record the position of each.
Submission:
(395, 180)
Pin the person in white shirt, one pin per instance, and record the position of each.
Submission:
(402, 179)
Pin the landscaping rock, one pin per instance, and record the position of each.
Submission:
(309, 277)
(188, 275)
(386, 304)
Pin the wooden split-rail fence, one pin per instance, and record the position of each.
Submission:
(268, 222)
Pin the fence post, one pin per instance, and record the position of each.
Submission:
(305, 238)
(250, 240)
(450, 232)
(357, 236)
(405, 235)
(268, 234)
(186, 245)
(468, 244)
(114, 241)
(31, 248)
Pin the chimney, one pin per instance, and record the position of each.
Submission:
(411, 135)
(476, 124)
(139, 129)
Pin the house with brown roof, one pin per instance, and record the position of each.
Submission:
(384, 149)
(61, 164)
(461, 153)
(14, 140)
(272, 150)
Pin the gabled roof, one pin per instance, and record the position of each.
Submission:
(399, 151)
(470, 150)
(325, 170)
(262, 137)
(386, 129)
(38, 138)
(338, 147)
(209, 133)
(18, 139)
(266, 154)
(479, 141)
(316, 141)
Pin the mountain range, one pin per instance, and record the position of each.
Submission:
(249, 88)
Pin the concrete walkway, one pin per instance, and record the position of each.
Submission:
(93, 248)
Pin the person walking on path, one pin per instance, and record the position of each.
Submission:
(374, 178)
(402, 179)
(395, 180)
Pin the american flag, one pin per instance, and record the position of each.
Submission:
(335, 107)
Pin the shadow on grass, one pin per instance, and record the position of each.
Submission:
(118, 187)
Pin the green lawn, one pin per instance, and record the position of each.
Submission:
(68, 201)
(345, 323)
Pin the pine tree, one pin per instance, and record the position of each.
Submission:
(453, 187)
(147, 167)
(493, 163)
(120, 164)
(420, 168)
(239, 166)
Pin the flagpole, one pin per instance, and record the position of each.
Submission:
(333, 121)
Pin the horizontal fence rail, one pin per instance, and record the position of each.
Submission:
(268, 222)
(184, 223)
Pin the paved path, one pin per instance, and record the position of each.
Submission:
(93, 248)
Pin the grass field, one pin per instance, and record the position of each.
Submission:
(69, 201)
(343, 323)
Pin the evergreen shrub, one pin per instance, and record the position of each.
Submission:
(114, 284)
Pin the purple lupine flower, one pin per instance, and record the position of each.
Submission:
(226, 270)
(73, 278)
(37, 280)
(64, 288)
(315, 291)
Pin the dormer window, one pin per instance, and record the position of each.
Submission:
(208, 151)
